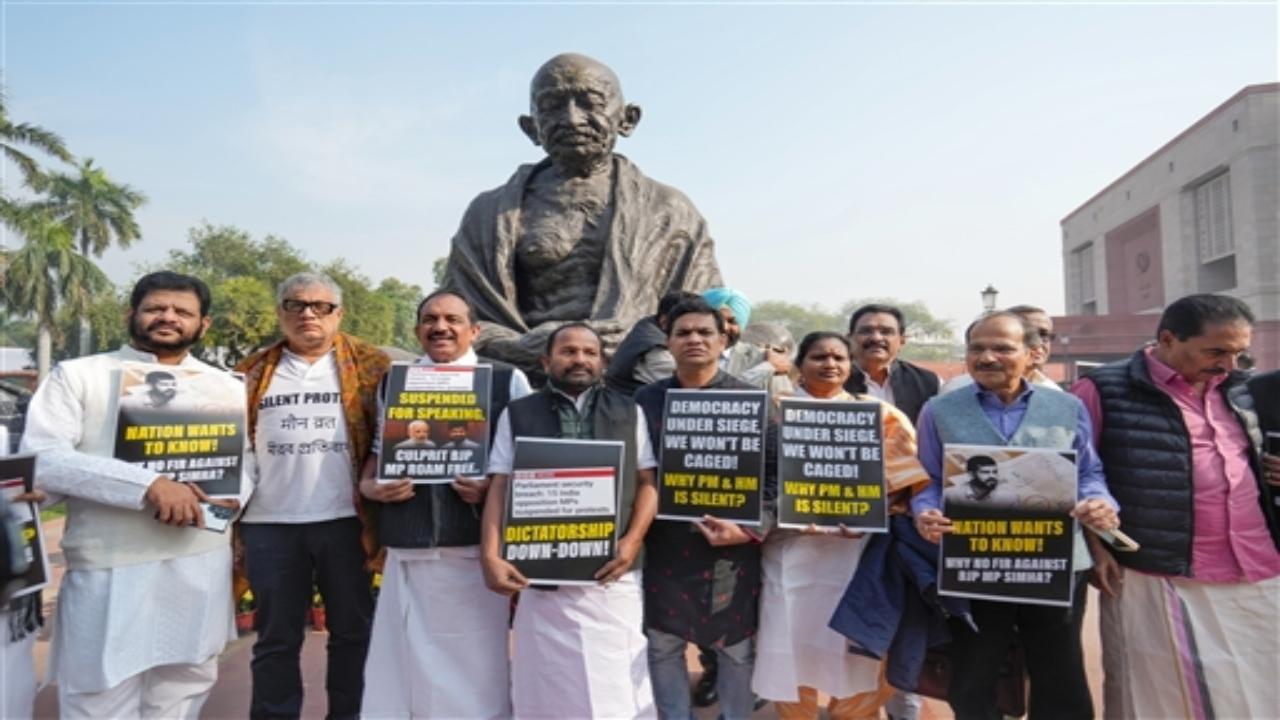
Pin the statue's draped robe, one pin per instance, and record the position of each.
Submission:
(656, 242)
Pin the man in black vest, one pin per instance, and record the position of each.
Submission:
(878, 333)
(1191, 631)
(702, 580)
(1265, 390)
(433, 610)
(642, 356)
(579, 650)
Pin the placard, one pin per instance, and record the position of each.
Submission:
(831, 465)
(187, 423)
(560, 523)
(435, 422)
(1013, 535)
(17, 476)
(712, 455)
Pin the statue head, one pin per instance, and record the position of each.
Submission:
(577, 113)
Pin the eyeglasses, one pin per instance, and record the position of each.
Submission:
(1048, 336)
(321, 308)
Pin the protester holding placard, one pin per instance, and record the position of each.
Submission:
(805, 572)
(130, 547)
(21, 618)
(433, 610)
(702, 578)
(1003, 409)
(579, 650)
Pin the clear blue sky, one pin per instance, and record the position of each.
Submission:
(912, 151)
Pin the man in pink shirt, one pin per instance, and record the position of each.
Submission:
(1191, 620)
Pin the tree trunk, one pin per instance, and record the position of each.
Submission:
(44, 350)
(86, 338)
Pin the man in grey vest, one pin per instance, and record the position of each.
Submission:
(579, 650)
(1002, 408)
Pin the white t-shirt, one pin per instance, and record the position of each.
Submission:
(300, 443)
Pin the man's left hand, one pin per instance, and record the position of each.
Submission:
(1097, 514)
(619, 565)
(471, 490)
(1271, 468)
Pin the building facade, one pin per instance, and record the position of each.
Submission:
(1200, 214)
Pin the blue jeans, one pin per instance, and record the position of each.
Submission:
(669, 674)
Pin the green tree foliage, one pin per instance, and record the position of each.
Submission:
(404, 299)
(929, 337)
(16, 138)
(97, 210)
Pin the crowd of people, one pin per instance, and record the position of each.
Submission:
(1169, 445)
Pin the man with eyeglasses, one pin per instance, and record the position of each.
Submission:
(312, 414)
(878, 333)
(1039, 321)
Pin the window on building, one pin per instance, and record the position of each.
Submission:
(1215, 244)
(1082, 268)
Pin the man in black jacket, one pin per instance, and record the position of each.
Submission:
(642, 356)
(1192, 632)
(878, 333)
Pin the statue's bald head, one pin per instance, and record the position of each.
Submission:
(577, 112)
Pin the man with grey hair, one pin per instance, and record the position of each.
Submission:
(312, 411)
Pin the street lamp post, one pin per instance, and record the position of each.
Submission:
(989, 298)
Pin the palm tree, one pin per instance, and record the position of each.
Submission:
(12, 136)
(44, 273)
(98, 212)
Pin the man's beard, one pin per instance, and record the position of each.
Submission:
(577, 383)
(143, 341)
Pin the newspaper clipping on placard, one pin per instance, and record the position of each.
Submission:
(560, 524)
(712, 455)
(1013, 534)
(435, 423)
(17, 476)
(831, 465)
(184, 422)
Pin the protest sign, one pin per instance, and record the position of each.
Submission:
(187, 423)
(831, 465)
(1013, 535)
(435, 422)
(712, 455)
(17, 476)
(560, 524)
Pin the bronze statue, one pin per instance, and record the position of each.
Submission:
(581, 235)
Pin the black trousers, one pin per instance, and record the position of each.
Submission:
(283, 559)
(1055, 660)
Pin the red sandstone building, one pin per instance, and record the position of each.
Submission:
(1200, 214)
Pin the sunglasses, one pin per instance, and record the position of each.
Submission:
(321, 308)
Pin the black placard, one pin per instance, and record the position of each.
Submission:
(1013, 535)
(712, 455)
(831, 465)
(435, 422)
(560, 523)
(185, 423)
(17, 475)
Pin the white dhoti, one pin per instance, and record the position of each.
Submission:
(1177, 648)
(438, 648)
(580, 652)
(17, 672)
(804, 578)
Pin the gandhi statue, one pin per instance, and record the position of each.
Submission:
(583, 234)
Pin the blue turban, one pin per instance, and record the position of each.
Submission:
(737, 302)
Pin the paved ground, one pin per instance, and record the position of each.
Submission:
(230, 698)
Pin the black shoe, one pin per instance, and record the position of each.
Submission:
(760, 702)
(704, 691)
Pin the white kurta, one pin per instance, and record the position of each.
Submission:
(439, 642)
(804, 578)
(580, 652)
(17, 672)
(120, 614)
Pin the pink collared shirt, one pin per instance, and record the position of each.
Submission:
(1231, 542)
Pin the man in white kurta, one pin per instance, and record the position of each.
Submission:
(145, 605)
(439, 643)
(579, 649)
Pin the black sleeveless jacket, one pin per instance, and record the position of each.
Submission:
(1146, 454)
(912, 386)
(436, 516)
